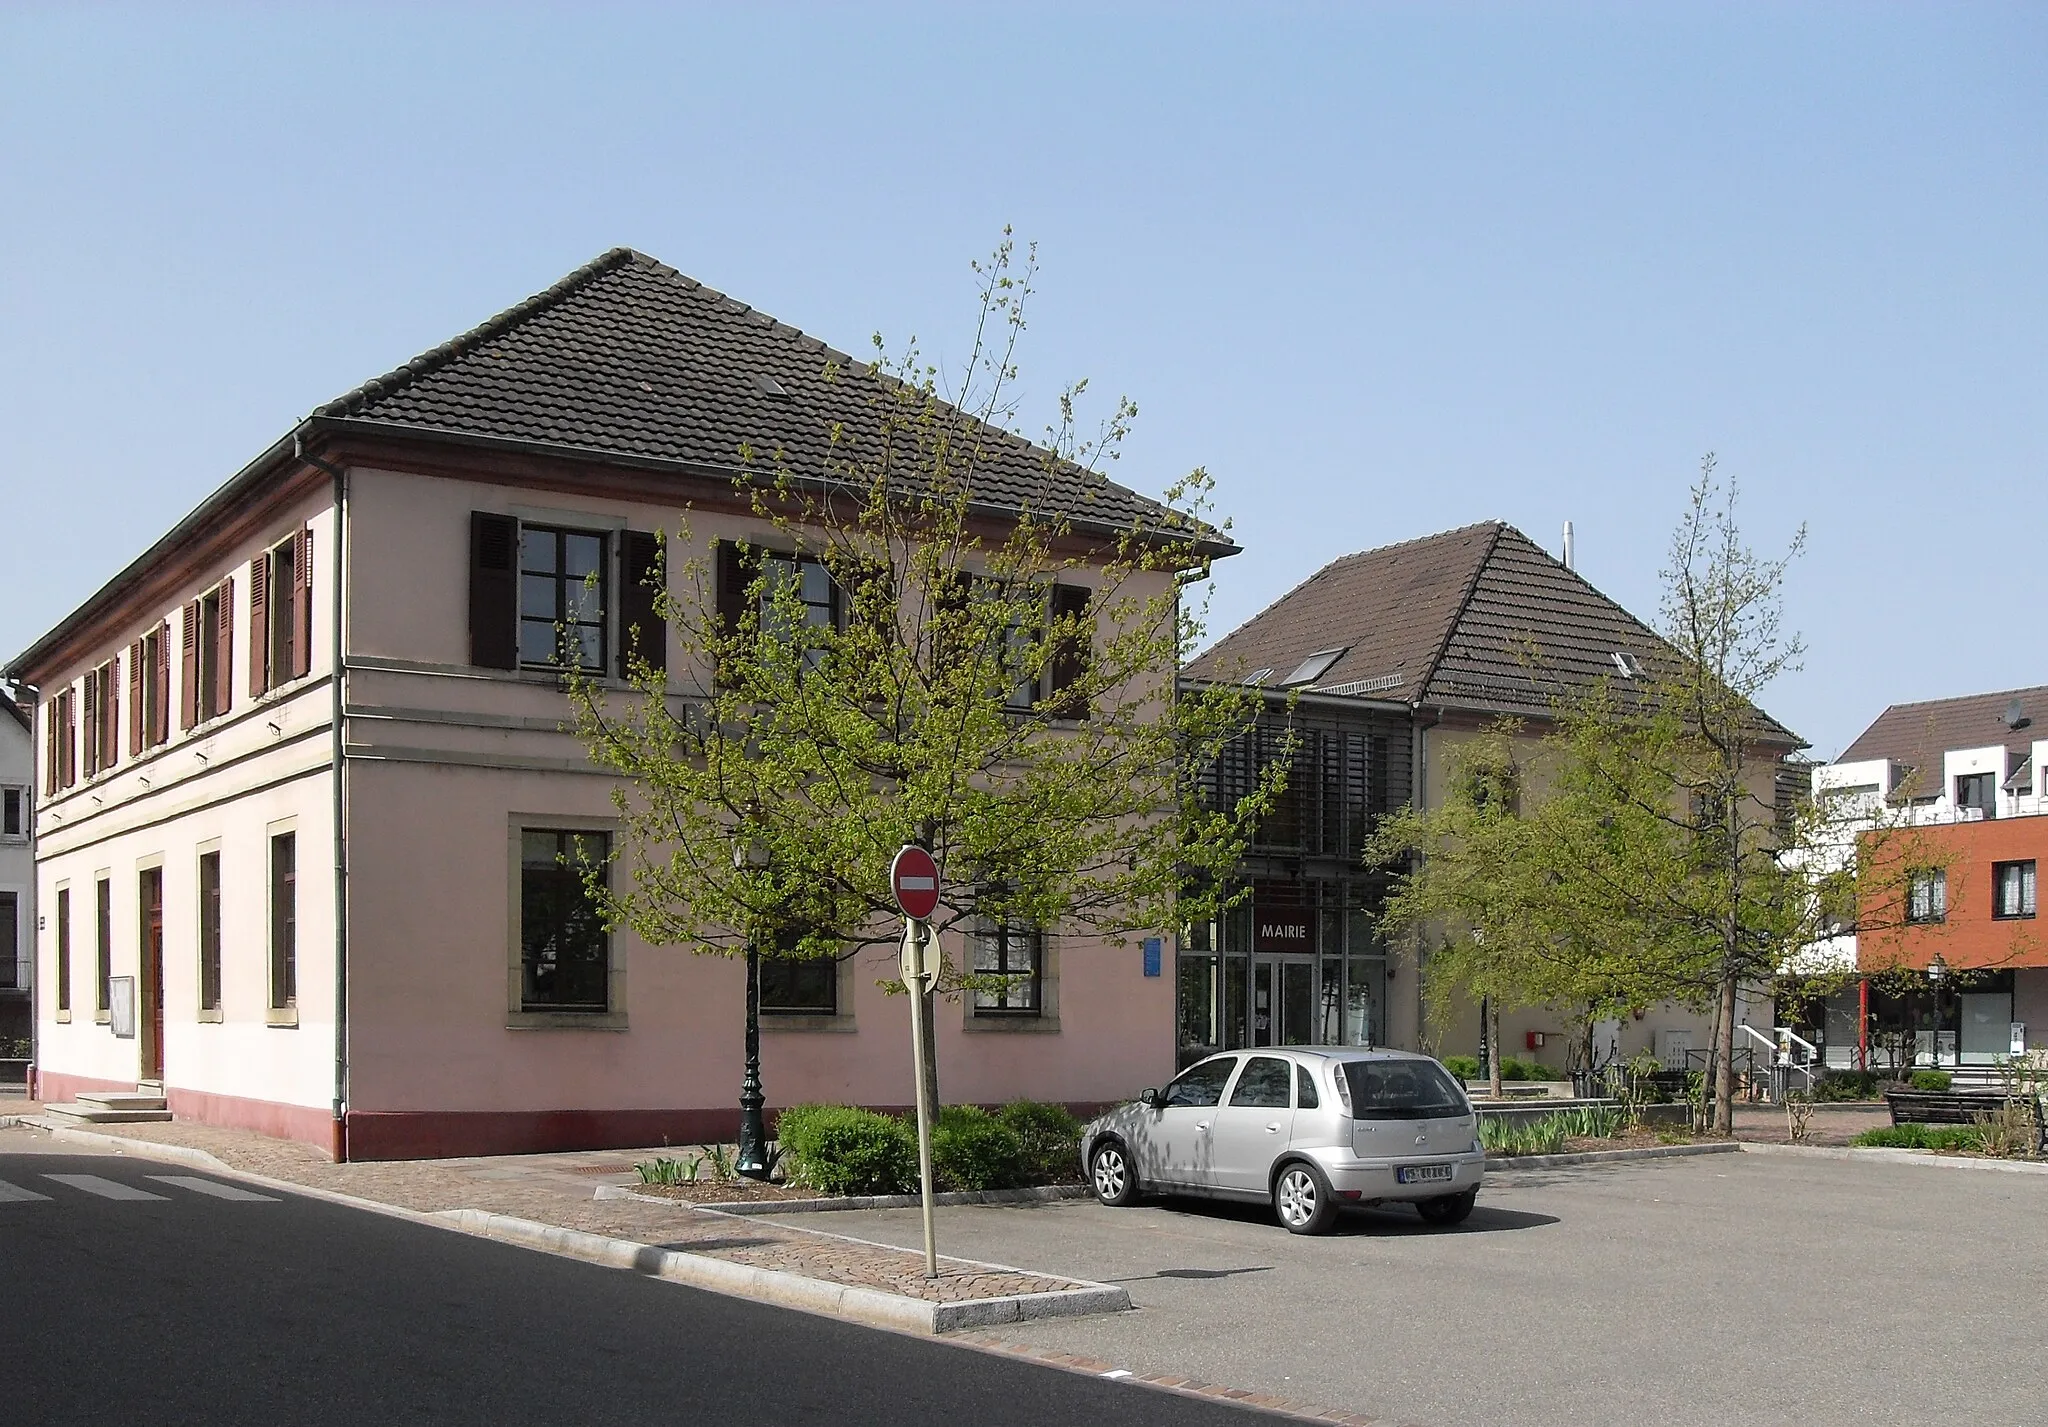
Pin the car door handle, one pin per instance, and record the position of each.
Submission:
(1273, 1129)
(1202, 1125)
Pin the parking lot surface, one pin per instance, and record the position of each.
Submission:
(1724, 1289)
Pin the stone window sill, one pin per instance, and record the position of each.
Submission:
(565, 1021)
(283, 1017)
(63, 1018)
(209, 1018)
(1013, 1025)
(831, 1025)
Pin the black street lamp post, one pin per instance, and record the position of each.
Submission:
(752, 1160)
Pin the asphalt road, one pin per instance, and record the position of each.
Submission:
(1758, 1290)
(141, 1293)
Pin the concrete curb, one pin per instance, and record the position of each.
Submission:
(749, 1207)
(871, 1306)
(1892, 1156)
(1558, 1161)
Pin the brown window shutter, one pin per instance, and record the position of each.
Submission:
(259, 626)
(68, 749)
(110, 714)
(53, 767)
(136, 652)
(1071, 656)
(224, 650)
(643, 634)
(91, 742)
(162, 732)
(493, 591)
(302, 603)
(188, 690)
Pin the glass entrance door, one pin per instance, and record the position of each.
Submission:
(1284, 1000)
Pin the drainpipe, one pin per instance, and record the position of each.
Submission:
(339, 1146)
(1418, 796)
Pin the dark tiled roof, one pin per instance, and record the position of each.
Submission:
(1918, 734)
(1481, 618)
(626, 358)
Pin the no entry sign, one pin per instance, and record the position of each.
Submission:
(914, 878)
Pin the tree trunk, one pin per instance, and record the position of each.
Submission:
(1493, 1048)
(1724, 1035)
(1702, 1109)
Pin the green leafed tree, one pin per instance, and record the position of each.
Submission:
(1658, 858)
(921, 647)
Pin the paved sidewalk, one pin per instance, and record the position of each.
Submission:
(559, 1190)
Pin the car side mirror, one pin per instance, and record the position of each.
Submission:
(1150, 1099)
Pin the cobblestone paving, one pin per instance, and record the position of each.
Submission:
(557, 1189)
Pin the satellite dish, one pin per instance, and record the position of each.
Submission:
(2014, 719)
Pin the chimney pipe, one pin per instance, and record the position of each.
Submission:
(1570, 562)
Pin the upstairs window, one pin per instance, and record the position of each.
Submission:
(1927, 896)
(209, 655)
(2012, 890)
(1977, 790)
(13, 812)
(101, 726)
(149, 690)
(281, 613)
(562, 591)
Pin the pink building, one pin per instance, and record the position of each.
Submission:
(303, 777)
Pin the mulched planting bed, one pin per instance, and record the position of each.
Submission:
(1632, 1139)
(724, 1191)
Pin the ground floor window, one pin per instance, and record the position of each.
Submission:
(284, 921)
(1009, 961)
(799, 987)
(103, 947)
(564, 949)
(209, 931)
(1966, 1018)
(10, 912)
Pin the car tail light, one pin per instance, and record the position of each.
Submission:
(1343, 1083)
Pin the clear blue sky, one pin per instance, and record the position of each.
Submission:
(1383, 270)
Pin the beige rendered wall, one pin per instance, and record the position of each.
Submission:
(261, 767)
(446, 761)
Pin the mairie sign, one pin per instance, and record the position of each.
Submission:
(1282, 929)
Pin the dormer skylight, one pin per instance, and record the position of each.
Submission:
(768, 386)
(1314, 667)
(1630, 666)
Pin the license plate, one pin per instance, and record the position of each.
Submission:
(1422, 1173)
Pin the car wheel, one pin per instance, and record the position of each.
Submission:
(1449, 1209)
(1303, 1199)
(1110, 1173)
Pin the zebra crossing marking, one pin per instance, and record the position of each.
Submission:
(215, 1188)
(105, 1188)
(15, 1194)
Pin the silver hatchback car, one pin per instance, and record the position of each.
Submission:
(1310, 1130)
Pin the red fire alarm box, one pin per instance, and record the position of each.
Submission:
(1535, 1040)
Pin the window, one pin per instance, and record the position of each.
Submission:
(149, 690)
(1927, 896)
(1265, 1084)
(13, 812)
(209, 931)
(1306, 1097)
(10, 945)
(284, 922)
(807, 986)
(2012, 889)
(1628, 665)
(102, 725)
(1200, 1086)
(209, 655)
(562, 591)
(103, 947)
(63, 953)
(60, 770)
(1401, 1090)
(564, 949)
(1314, 667)
(1976, 790)
(280, 613)
(1009, 960)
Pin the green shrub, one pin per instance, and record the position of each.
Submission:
(1937, 1081)
(1513, 1069)
(972, 1149)
(663, 1169)
(1836, 1085)
(1591, 1122)
(1947, 1138)
(1465, 1067)
(838, 1149)
(1050, 1138)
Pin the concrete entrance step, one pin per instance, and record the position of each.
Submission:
(123, 1099)
(63, 1116)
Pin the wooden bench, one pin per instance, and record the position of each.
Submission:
(1956, 1107)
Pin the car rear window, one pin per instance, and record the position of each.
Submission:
(1401, 1090)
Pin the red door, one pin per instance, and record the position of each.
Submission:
(153, 971)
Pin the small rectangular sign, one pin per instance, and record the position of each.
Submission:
(121, 1006)
(1281, 929)
(1151, 956)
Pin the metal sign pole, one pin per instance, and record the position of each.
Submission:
(914, 977)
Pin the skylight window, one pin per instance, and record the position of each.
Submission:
(1259, 676)
(768, 386)
(1314, 667)
(1630, 666)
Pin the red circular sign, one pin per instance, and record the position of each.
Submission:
(914, 878)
